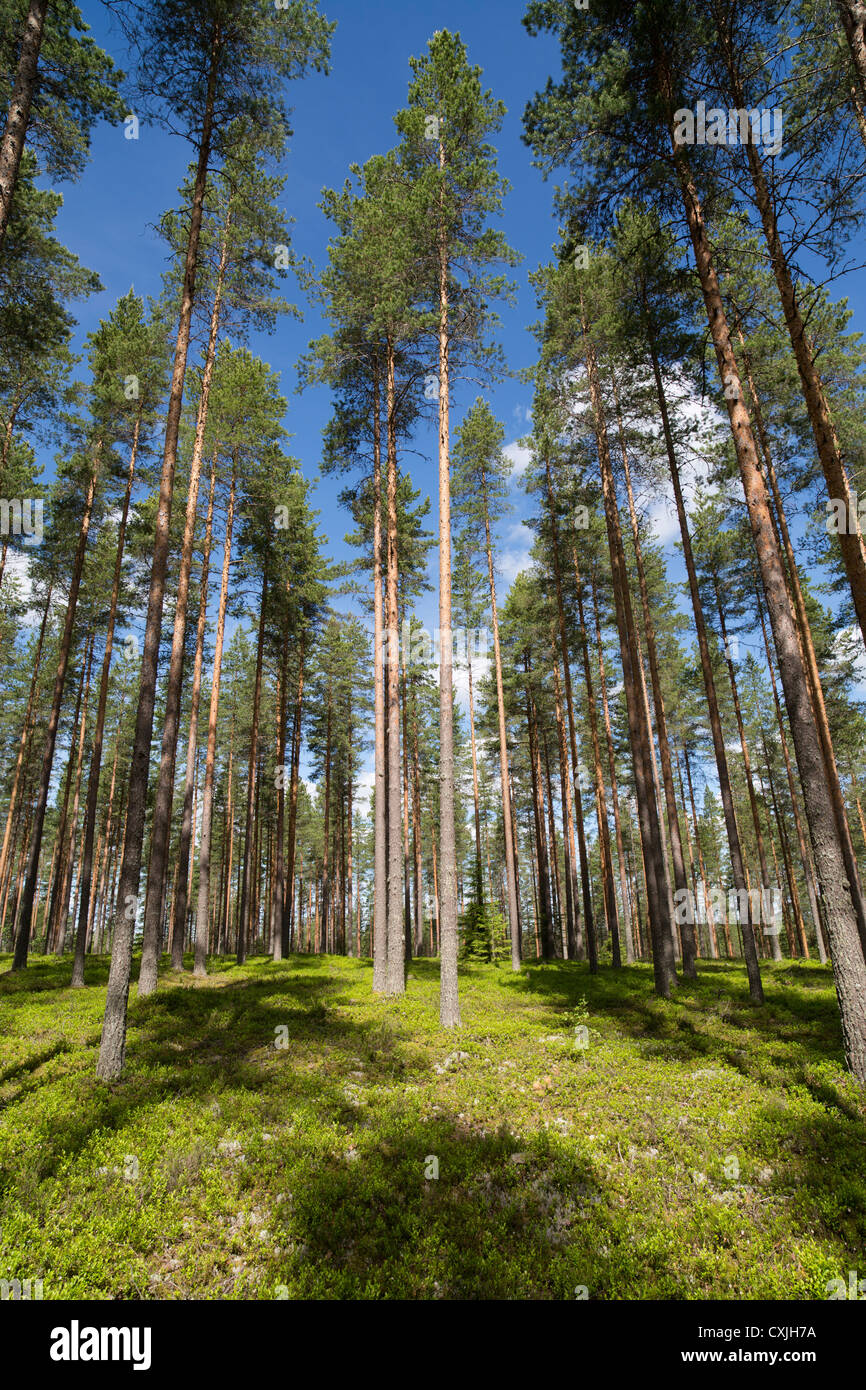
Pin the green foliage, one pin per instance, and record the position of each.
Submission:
(77, 84)
(483, 933)
(257, 1168)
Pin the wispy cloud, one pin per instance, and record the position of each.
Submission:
(515, 556)
(519, 457)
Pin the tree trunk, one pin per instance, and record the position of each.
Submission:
(560, 946)
(349, 886)
(404, 714)
(603, 827)
(250, 865)
(204, 853)
(508, 833)
(747, 767)
(293, 799)
(113, 1043)
(664, 968)
(278, 899)
(416, 833)
(63, 910)
(106, 843)
(589, 920)
(99, 729)
(161, 825)
(756, 991)
(791, 878)
(53, 899)
(179, 907)
(853, 16)
(225, 906)
(543, 910)
(479, 867)
(810, 660)
(24, 740)
(15, 133)
(28, 820)
(326, 883)
(848, 959)
(567, 816)
(28, 892)
(449, 1004)
(380, 852)
(826, 441)
(687, 928)
(629, 942)
(798, 823)
(434, 924)
(396, 982)
(693, 872)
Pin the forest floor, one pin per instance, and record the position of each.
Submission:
(277, 1132)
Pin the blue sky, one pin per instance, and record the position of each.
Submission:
(107, 218)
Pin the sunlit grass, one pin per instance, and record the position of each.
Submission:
(696, 1148)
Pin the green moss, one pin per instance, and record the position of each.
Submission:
(692, 1148)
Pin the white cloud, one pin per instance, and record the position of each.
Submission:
(364, 791)
(848, 646)
(18, 569)
(513, 562)
(703, 421)
(518, 456)
(460, 677)
(515, 555)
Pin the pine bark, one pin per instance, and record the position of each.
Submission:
(28, 891)
(326, 837)
(810, 661)
(24, 740)
(180, 903)
(15, 132)
(851, 542)
(479, 867)
(571, 907)
(293, 803)
(113, 1043)
(614, 791)
(544, 915)
(508, 834)
(747, 765)
(396, 953)
(62, 917)
(848, 957)
(53, 897)
(756, 991)
(588, 917)
(161, 825)
(99, 727)
(687, 928)
(204, 853)
(380, 848)
(664, 969)
(250, 862)
(449, 1005)
(611, 914)
(792, 790)
(416, 833)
